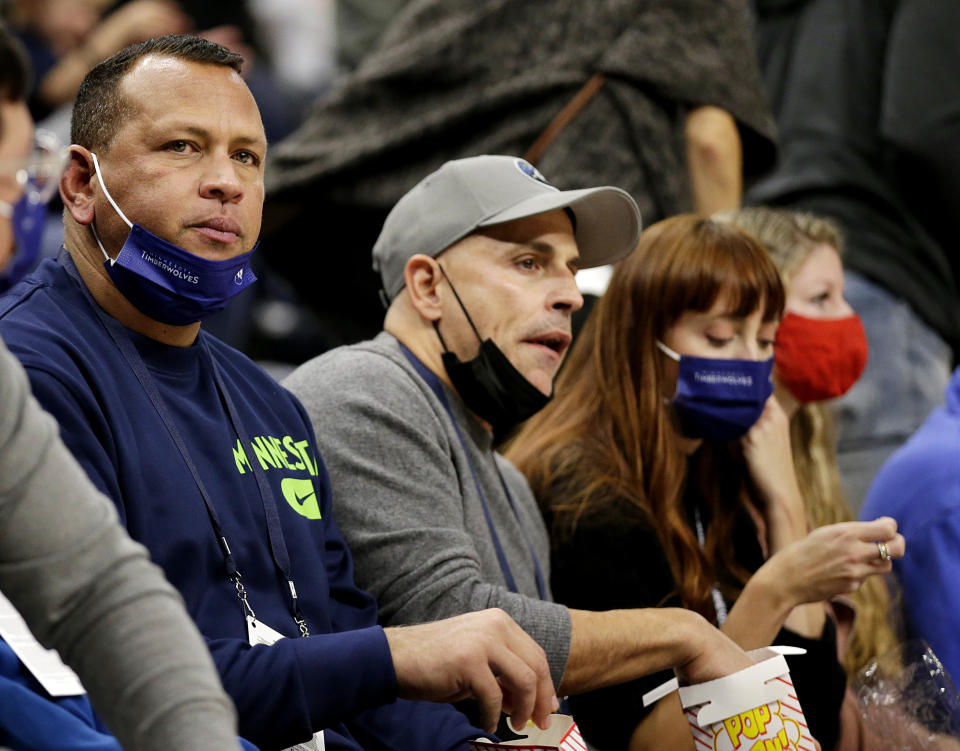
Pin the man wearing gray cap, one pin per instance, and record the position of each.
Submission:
(478, 264)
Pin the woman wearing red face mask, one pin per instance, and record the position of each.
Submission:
(821, 346)
(664, 467)
(821, 350)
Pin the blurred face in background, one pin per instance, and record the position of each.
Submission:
(16, 139)
(821, 346)
(815, 289)
(62, 24)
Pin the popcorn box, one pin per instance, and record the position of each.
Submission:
(755, 709)
(562, 735)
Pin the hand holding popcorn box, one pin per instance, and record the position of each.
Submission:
(754, 709)
(562, 735)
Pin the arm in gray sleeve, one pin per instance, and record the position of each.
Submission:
(399, 499)
(87, 590)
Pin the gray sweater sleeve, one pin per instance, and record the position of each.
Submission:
(87, 590)
(399, 499)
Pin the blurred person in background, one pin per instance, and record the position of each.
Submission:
(360, 24)
(821, 350)
(867, 111)
(65, 38)
(919, 485)
(302, 41)
(658, 98)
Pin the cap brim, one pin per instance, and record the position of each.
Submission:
(608, 221)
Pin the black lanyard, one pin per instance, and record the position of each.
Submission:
(278, 547)
(437, 387)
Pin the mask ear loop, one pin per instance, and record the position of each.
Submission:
(667, 351)
(462, 306)
(673, 356)
(103, 187)
(436, 327)
(436, 324)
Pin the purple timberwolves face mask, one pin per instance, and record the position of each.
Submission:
(716, 399)
(167, 283)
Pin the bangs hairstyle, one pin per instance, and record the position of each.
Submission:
(689, 263)
(606, 448)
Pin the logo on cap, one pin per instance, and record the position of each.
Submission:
(530, 171)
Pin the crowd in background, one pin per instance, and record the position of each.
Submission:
(794, 164)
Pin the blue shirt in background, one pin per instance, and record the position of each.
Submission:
(919, 486)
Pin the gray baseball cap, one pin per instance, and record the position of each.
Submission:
(466, 194)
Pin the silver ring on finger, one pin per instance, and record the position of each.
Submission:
(883, 550)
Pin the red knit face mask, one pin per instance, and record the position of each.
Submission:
(819, 358)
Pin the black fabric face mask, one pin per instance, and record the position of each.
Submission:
(489, 384)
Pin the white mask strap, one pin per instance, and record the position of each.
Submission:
(667, 351)
(97, 238)
(103, 186)
(6, 210)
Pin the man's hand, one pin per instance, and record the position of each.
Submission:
(483, 655)
(714, 655)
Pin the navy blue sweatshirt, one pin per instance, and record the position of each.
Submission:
(341, 678)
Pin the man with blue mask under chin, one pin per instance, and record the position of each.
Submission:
(211, 464)
(65, 562)
(477, 263)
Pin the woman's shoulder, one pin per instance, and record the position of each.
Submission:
(585, 509)
(608, 557)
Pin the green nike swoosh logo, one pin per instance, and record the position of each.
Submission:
(302, 496)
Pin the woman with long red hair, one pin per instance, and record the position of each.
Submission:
(664, 468)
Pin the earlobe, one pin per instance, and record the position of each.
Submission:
(422, 276)
(76, 185)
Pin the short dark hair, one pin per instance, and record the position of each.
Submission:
(100, 107)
